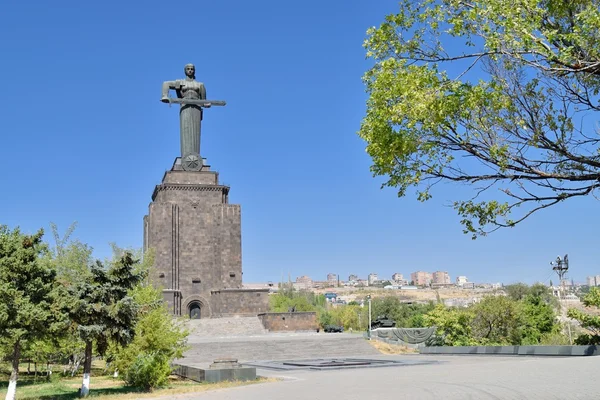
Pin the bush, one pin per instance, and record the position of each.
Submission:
(149, 371)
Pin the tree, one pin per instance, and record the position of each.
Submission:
(453, 326)
(27, 289)
(70, 257)
(588, 321)
(102, 309)
(490, 93)
(517, 291)
(538, 320)
(158, 339)
(405, 315)
(521, 291)
(496, 321)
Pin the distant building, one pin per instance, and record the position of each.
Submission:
(332, 279)
(593, 280)
(441, 278)
(362, 282)
(330, 296)
(372, 278)
(421, 278)
(353, 278)
(398, 278)
(303, 282)
(461, 280)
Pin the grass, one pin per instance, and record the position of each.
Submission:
(104, 387)
(387, 348)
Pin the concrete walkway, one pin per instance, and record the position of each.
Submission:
(454, 377)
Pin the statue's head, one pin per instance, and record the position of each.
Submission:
(190, 71)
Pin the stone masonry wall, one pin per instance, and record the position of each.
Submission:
(243, 302)
(293, 321)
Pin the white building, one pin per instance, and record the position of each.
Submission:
(461, 280)
(593, 280)
(372, 278)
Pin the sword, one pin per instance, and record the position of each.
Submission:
(201, 103)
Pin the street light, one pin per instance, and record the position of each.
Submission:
(369, 300)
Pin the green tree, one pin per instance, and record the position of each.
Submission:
(302, 301)
(405, 315)
(158, 339)
(588, 321)
(520, 291)
(538, 320)
(27, 294)
(517, 291)
(71, 258)
(507, 84)
(453, 326)
(496, 321)
(102, 309)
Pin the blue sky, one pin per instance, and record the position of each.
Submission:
(85, 138)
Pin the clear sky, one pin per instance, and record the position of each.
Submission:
(85, 138)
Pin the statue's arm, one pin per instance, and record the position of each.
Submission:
(202, 92)
(169, 85)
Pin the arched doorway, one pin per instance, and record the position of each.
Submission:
(195, 310)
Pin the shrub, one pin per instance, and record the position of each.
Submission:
(149, 371)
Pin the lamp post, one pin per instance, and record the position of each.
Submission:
(369, 300)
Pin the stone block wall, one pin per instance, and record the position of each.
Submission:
(242, 302)
(291, 321)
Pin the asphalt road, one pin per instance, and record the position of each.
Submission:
(454, 377)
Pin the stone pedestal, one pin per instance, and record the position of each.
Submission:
(196, 237)
(218, 371)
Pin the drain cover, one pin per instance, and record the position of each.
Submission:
(334, 363)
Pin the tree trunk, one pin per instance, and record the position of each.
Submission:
(12, 383)
(87, 368)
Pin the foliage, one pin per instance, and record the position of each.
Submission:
(156, 333)
(453, 326)
(71, 258)
(302, 301)
(325, 318)
(497, 320)
(149, 371)
(588, 321)
(27, 285)
(27, 293)
(101, 308)
(538, 321)
(520, 291)
(405, 315)
(490, 93)
(517, 291)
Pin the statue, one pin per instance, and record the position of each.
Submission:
(191, 95)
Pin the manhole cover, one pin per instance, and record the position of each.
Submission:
(335, 363)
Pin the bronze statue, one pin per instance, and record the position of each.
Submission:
(191, 95)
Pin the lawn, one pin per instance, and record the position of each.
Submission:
(101, 386)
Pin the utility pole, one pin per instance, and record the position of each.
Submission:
(369, 299)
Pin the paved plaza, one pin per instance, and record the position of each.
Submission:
(453, 377)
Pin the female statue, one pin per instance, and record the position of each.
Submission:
(190, 115)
